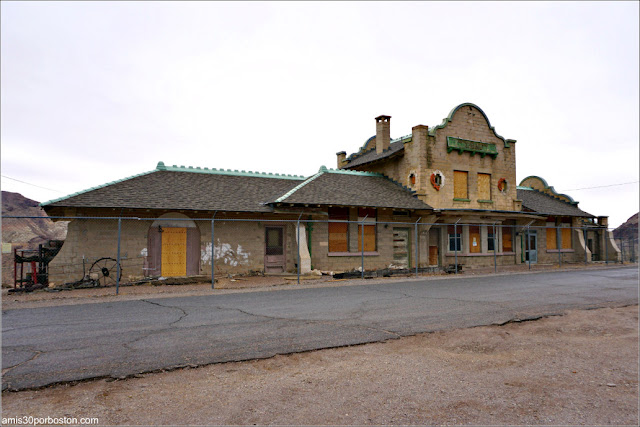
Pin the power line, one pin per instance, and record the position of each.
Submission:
(602, 186)
(44, 188)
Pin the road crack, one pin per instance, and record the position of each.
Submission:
(312, 321)
(31, 359)
(184, 313)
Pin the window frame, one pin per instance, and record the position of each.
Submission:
(455, 239)
(491, 239)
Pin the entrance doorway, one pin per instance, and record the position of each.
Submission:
(401, 251)
(174, 252)
(173, 247)
(434, 244)
(531, 246)
(274, 253)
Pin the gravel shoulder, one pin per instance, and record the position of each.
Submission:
(579, 368)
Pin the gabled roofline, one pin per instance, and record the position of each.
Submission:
(198, 169)
(446, 120)
(297, 187)
(162, 167)
(361, 151)
(95, 188)
(324, 169)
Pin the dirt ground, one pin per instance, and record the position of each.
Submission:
(578, 369)
(46, 297)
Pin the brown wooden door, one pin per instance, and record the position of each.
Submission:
(474, 239)
(274, 253)
(433, 255)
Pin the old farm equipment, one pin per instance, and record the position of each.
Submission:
(105, 271)
(32, 266)
(36, 275)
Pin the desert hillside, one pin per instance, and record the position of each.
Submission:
(25, 233)
(628, 230)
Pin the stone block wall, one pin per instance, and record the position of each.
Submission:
(383, 256)
(427, 153)
(92, 239)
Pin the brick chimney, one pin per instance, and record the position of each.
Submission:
(383, 133)
(342, 158)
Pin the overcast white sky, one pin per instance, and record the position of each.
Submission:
(93, 92)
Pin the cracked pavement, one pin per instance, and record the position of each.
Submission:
(43, 346)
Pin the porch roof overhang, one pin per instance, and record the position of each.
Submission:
(487, 215)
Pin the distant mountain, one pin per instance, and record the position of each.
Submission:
(31, 231)
(25, 233)
(628, 230)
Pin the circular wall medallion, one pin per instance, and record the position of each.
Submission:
(437, 180)
(502, 185)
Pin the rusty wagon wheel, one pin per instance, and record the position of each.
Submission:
(107, 271)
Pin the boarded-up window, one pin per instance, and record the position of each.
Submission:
(474, 239)
(507, 238)
(338, 231)
(460, 185)
(369, 229)
(566, 238)
(551, 238)
(484, 186)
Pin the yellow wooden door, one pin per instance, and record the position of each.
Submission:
(174, 252)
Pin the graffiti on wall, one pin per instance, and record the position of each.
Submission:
(226, 253)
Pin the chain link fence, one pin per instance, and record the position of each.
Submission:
(628, 249)
(101, 251)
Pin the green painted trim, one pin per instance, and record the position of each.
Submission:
(473, 147)
(485, 201)
(350, 172)
(406, 138)
(461, 200)
(236, 172)
(519, 187)
(446, 120)
(162, 167)
(299, 186)
(362, 150)
(77, 193)
(550, 188)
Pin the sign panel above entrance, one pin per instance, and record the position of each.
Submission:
(473, 147)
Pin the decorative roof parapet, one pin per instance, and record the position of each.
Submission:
(446, 120)
(548, 187)
(362, 150)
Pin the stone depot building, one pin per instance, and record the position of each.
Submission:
(456, 181)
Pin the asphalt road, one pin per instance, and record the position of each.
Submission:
(49, 345)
